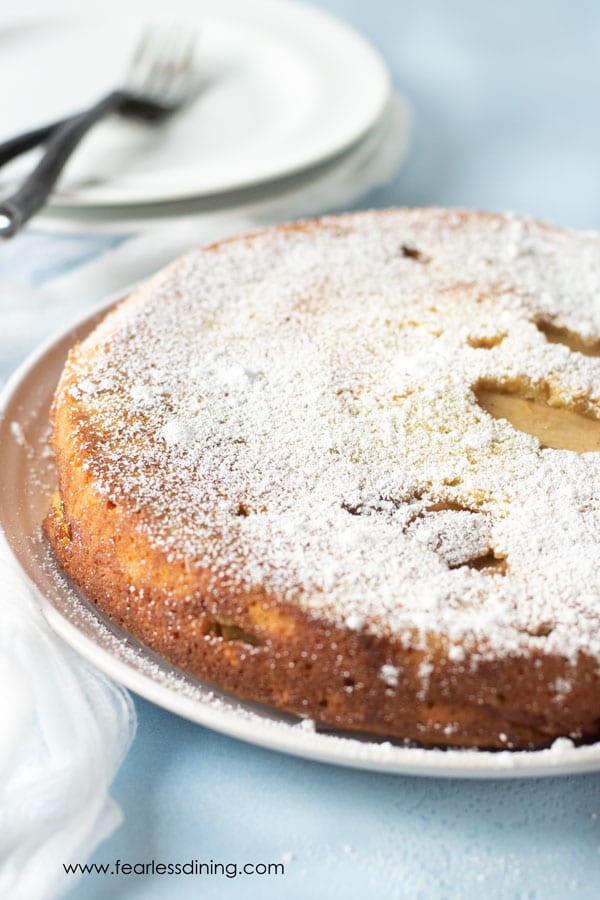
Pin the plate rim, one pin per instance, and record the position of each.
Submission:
(233, 719)
(254, 14)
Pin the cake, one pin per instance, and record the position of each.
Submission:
(349, 468)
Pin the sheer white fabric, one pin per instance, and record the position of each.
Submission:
(64, 729)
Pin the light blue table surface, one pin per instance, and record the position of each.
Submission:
(506, 117)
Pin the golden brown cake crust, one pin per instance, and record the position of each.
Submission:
(206, 595)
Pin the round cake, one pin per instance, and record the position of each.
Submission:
(350, 468)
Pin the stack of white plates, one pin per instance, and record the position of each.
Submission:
(291, 104)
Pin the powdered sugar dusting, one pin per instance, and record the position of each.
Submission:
(390, 674)
(296, 411)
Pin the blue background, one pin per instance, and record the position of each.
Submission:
(506, 117)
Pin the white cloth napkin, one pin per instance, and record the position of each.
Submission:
(65, 727)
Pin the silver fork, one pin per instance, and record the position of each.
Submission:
(160, 79)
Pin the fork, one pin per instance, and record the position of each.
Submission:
(159, 81)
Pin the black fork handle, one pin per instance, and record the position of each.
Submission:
(27, 140)
(62, 141)
(20, 144)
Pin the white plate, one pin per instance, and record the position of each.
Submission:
(284, 87)
(335, 184)
(26, 481)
